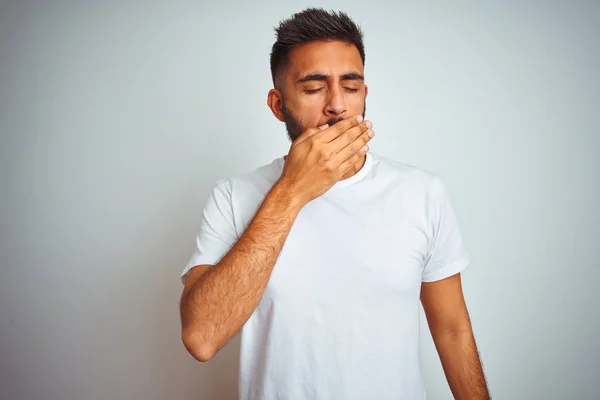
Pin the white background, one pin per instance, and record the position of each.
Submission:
(117, 118)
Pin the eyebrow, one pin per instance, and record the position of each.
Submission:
(321, 77)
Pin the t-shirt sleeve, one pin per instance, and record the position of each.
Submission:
(217, 233)
(447, 254)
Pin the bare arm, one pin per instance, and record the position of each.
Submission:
(217, 301)
(450, 326)
(462, 366)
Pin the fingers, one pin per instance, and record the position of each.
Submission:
(350, 162)
(358, 147)
(341, 127)
(350, 136)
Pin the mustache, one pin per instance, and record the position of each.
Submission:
(333, 121)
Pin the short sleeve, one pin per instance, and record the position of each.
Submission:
(447, 254)
(217, 233)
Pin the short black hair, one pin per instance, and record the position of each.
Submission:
(310, 25)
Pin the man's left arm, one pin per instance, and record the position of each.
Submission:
(450, 326)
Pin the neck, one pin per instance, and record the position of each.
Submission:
(352, 171)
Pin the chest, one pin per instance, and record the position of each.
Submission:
(347, 252)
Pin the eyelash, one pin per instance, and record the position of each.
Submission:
(315, 91)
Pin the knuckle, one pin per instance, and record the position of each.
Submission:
(323, 154)
(359, 143)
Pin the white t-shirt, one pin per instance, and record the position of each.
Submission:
(339, 318)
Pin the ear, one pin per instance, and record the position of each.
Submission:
(275, 103)
(366, 91)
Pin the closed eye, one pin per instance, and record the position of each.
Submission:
(313, 91)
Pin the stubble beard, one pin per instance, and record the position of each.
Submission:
(295, 128)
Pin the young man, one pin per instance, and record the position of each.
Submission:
(322, 256)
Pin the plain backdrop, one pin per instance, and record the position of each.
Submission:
(118, 117)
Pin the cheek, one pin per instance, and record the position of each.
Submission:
(312, 102)
(355, 104)
(310, 109)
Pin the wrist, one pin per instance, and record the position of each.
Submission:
(284, 194)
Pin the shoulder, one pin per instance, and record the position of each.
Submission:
(253, 184)
(406, 175)
(414, 187)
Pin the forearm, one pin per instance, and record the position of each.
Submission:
(223, 299)
(462, 366)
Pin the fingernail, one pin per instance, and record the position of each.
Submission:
(369, 124)
(371, 133)
(324, 126)
(359, 119)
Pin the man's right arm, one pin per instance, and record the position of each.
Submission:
(218, 300)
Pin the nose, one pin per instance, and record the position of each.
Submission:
(336, 105)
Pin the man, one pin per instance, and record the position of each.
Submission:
(322, 256)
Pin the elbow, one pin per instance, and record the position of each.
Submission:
(197, 347)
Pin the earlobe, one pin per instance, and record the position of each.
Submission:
(274, 101)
